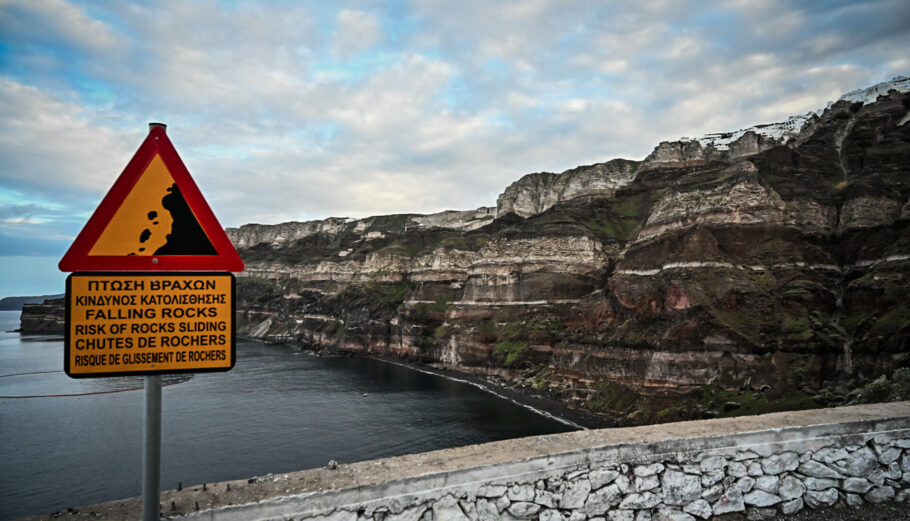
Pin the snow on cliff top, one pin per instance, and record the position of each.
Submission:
(870, 94)
(784, 131)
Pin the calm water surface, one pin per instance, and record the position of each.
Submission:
(278, 410)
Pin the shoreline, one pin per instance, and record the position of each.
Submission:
(537, 402)
(532, 399)
(540, 405)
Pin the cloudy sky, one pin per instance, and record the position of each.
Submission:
(304, 110)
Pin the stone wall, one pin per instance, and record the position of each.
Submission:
(756, 467)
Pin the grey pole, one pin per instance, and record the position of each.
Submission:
(151, 458)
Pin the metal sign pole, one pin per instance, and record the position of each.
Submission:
(117, 267)
(151, 458)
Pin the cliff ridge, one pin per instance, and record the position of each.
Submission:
(766, 268)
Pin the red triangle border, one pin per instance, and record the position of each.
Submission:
(77, 258)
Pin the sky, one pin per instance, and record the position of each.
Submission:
(300, 110)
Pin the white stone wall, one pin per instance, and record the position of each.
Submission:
(759, 474)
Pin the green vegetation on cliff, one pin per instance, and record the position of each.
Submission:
(766, 265)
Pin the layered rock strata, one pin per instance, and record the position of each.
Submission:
(772, 264)
(45, 318)
(535, 193)
(251, 235)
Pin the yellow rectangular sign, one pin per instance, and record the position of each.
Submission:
(148, 323)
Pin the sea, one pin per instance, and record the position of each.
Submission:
(66, 443)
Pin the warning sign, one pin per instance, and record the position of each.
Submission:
(154, 218)
(148, 323)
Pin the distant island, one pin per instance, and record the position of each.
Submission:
(16, 303)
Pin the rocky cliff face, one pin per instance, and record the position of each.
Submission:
(773, 259)
(45, 318)
(280, 235)
(535, 193)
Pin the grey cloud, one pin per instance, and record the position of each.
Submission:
(17, 211)
(458, 108)
(49, 148)
(55, 22)
(355, 32)
(14, 245)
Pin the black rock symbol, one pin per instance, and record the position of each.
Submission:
(187, 236)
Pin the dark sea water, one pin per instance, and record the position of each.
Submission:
(278, 410)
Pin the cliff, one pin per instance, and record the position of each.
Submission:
(760, 269)
(281, 235)
(45, 318)
(535, 193)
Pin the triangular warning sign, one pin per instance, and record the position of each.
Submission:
(154, 218)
